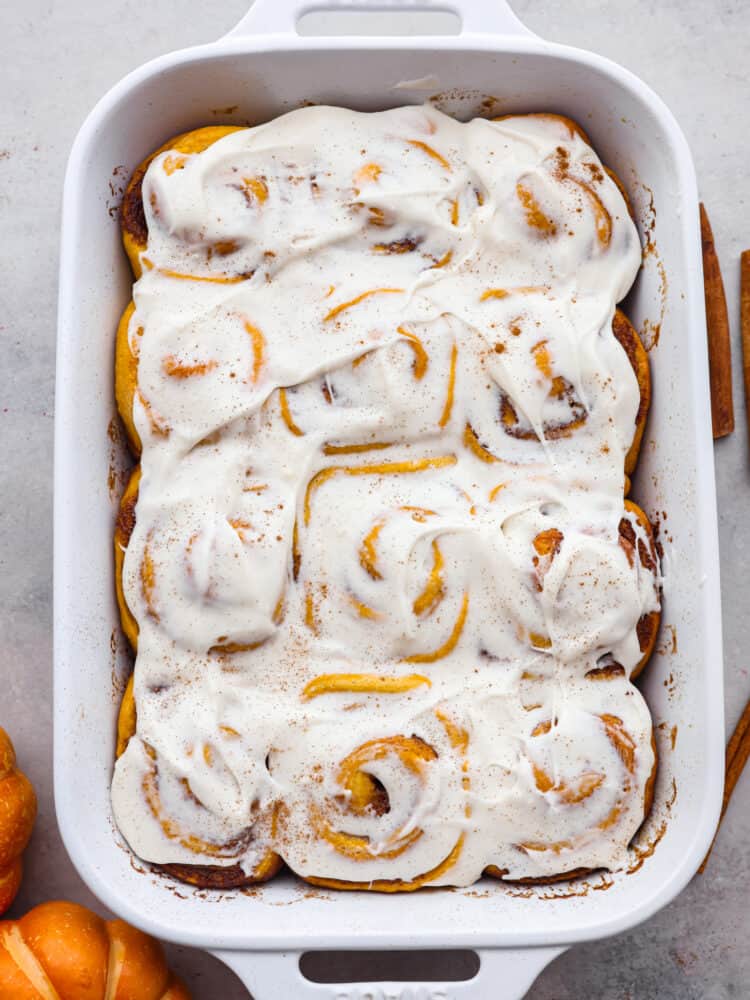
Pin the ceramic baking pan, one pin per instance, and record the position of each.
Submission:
(261, 69)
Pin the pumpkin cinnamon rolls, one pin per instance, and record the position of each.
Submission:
(387, 594)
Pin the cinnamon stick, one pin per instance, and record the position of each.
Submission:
(738, 748)
(738, 751)
(745, 325)
(719, 345)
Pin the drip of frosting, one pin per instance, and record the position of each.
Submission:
(377, 554)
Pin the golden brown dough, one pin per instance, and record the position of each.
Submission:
(629, 340)
(648, 625)
(126, 379)
(123, 530)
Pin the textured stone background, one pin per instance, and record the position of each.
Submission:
(56, 59)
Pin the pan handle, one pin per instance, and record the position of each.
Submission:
(481, 17)
(504, 974)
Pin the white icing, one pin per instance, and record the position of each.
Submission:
(518, 762)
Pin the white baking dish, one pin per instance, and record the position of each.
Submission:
(264, 68)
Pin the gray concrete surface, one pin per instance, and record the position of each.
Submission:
(56, 59)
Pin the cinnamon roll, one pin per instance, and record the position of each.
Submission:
(133, 217)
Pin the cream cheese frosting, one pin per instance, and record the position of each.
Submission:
(377, 560)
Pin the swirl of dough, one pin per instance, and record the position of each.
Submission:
(575, 783)
(390, 813)
(191, 567)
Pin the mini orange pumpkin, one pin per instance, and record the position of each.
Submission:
(62, 951)
(17, 815)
